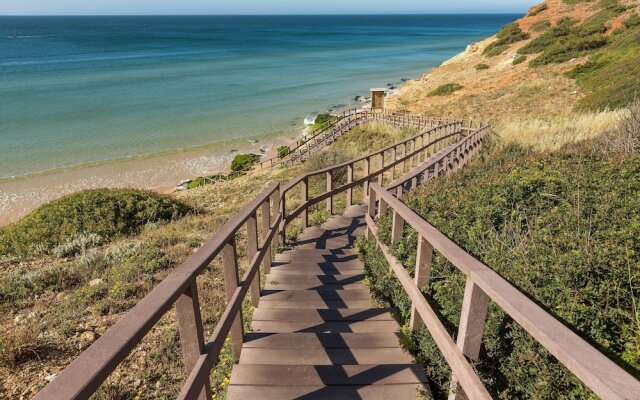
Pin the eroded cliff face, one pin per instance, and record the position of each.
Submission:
(505, 86)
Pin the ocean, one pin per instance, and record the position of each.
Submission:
(85, 90)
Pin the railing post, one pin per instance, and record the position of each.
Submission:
(424, 257)
(382, 207)
(266, 228)
(367, 168)
(282, 205)
(474, 312)
(230, 261)
(393, 159)
(252, 249)
(329, 188)
(404, 163)
(397, 227)
(304, 198)
(349, 180)
(191, 333)
(381, 176)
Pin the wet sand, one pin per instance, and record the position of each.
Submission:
(160, 173)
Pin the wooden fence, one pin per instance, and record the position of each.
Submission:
(427, 155)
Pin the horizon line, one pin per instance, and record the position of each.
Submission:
(264, 15)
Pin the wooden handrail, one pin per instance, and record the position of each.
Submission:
(444, 134)
(595, 370)
(362, 116)
(87, 372)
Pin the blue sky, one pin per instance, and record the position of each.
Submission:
(90, 7)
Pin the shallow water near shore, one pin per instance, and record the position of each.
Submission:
(77, 91)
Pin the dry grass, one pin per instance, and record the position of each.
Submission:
(625, 137)
(555, 131)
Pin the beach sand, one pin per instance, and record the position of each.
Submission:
(159, 173)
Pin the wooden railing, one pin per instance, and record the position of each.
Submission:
(392, 160)
(331, 130)
(87, 372)
(85, 375)
(595, 370)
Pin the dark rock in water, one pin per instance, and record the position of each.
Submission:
(393, 87)
(405, 80)
(360, 99)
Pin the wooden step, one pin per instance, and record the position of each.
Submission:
(377, 392)
(324, 356)
(344, 315)
(311, 269)
(323, 340)
(327, 375)
(302, 286)
(300, 262)
(316, 255)
(319, 304)
(313, 295)
(319, 326)
(275, 277)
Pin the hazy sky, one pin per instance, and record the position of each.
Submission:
(85, 7)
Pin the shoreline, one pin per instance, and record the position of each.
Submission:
(159, 172)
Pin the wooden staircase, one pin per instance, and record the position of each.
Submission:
(316, 333)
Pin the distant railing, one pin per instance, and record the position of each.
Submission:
(331, 130)
(393, 160)
(595, 370)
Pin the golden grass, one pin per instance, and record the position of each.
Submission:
(552, 132)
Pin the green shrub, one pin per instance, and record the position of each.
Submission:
(481, 66)
(508, 34)
(538, 9)
(329, 158)
(541, 26)
(283, 151)
(519, 60)
(446, 89)
(242, 162)
(107, 213)
(321, 120)
(611, 77)
(562, 227)
(633, 21)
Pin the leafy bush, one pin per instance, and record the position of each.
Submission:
(519, 60)
(481, 66)
(329, 158)
(538, 9)
(446, 89)
(510, 33)
(633, 21)
(611, 77)
(78, 244)
(321, 120)
(107, 213)
(562, 227)
(242, 162)
(283, 151)
(541, 26)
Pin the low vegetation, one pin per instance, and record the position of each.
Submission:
(283, 151)
(242, 162)
(321, 121)
(509, 34)
(446, 89)
(106, 213)
(562, 227)
(481, 66)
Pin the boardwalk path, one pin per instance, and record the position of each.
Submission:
(316, 332)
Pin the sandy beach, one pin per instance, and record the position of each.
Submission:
(159, 173)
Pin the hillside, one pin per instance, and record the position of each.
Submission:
(550, 77)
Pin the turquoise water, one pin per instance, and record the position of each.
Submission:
(79, 90)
